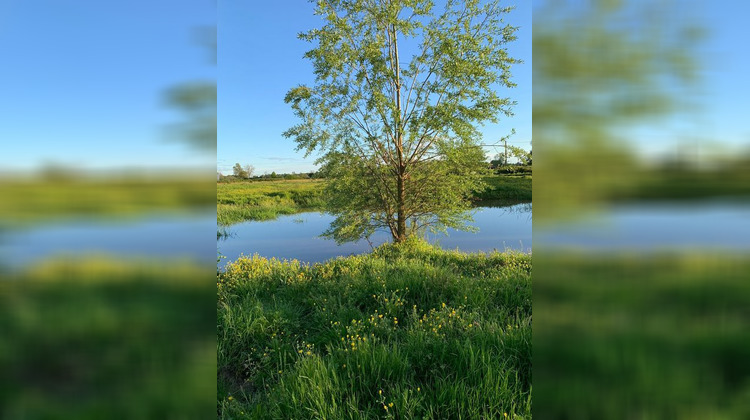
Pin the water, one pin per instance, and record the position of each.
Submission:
(155, 236)
(649, 227)
(298, 236)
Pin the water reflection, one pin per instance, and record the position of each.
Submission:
(646, 227)
(161, 236)
(501, 227)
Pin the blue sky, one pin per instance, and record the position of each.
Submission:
(714, 117)
(260, 59)
(715, 121)
(82, 81)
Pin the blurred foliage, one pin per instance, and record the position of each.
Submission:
(600, 68)
(623, 337)
(672, 181)
(103, 338)
(197, 101)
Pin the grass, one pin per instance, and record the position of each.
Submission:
(409, 331)
(515, 188)
(241, 201)
(102, 338)
(663, 336)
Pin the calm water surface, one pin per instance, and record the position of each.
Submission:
(298, 236)
(647, 227)
(157, 236)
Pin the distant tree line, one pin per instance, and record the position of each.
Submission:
(246, 172)
(502, 164)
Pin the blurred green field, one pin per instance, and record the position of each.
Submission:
(102, 338)
(409, 331)
(731, 181)
(36, 200)
(658, 336)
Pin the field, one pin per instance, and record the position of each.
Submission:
(264, 200)
(409, 331)
(512, 188)
(240, 201)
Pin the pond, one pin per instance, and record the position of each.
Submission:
(154, 236)
(298, 236)
(711, 225)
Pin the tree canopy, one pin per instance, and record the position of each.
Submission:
(398, 138)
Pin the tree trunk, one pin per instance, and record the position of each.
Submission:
(401, 173)
(401, 209)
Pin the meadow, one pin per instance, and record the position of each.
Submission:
(408, 331)
(265, 200)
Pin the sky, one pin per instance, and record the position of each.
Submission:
(82, 82)
(260, 58)
(713, 115)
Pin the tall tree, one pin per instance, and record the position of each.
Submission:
(398, 138)
(238, 171)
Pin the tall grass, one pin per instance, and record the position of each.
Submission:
(408, 331)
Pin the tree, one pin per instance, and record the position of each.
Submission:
(249, 169)
(239, 171)
(397, 138)
(524, 157)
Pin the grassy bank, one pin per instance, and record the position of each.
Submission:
(663, 336)
(265, 200)
(409, 331)
(514, 188)
(101, 338)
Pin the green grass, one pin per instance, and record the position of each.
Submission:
(240, 201)
(100, 338)
(409, 331)
(266, 200)
(512, 188)
(663, 336)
